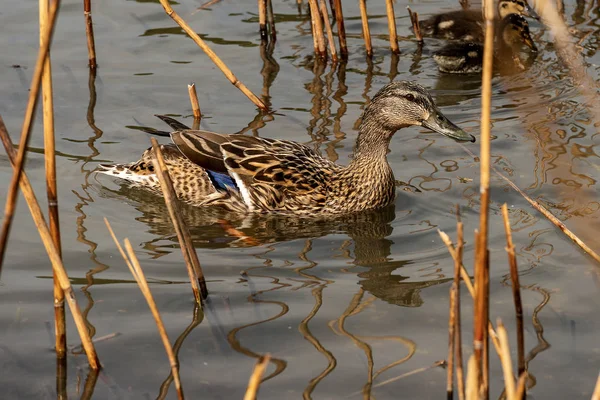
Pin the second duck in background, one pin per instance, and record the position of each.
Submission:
(467, 25)
(512, 34)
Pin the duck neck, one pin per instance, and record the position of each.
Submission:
(372, 143)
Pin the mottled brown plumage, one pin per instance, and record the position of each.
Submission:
(251, 174)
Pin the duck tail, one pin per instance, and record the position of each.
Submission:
(173, 123)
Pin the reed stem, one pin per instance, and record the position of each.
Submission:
(271, 21)
(262, 19)
(51, 191)
(317, 29)
(194, 101)
(57, 265)
(516, 291)
(11, 197)
(460, 382)
(596, 394)
(328, 29)
(473, 379)
(391, 16)
(255, 378)
(365, 26)
(211, 54)
(451, 344)
(89, 33)
(339, 20)
(414, 20)
(509, 379)
(138, 274)
(183, 234)
(482, 254)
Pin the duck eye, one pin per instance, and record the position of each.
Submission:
(409, 97)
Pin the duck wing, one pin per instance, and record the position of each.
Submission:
(271, 174)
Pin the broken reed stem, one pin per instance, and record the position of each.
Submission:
(11, 198)
(414, 20)
(57, 265)
(89, 33)
(183, 234)
(339, 20)
(51, 191)
(391, 16)
(211, 54)
(138, 274)
(509, 379)
(521, 386)
(365, 26)
(330, 39)
(516, 291)
(451, 344)
(482, 254)
(271, 21)
(317, 29)
(194, 101)
(255, 378)
(262, 19)
(472, 379)
(467, 279)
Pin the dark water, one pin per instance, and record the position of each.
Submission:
(341, 304)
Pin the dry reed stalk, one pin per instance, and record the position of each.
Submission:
(509, 379)
(60, 328)
(414, 20)
(11, 197)
(472, 379)
(138, 274)
(436, 364)
(596, 394)
(330, 39)
(365, 26)
(482, 255)
(460, 383)
(516, 291)
(521, 387)
(183, 234)
(339, 20)
(391, 16)
(271, 21)
(89, 33)
(543, 211)
(467, 279)
(211, 54)
(255, 378)
(317, 29)
(465, 4)
(57, 265)
(262, 19)
(451, 344)
(194, 101)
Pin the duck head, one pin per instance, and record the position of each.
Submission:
(401, 104)
(514, 31)
(521, 7)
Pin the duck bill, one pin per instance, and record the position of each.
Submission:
(529, 43)
(530, 12)
(438, 122)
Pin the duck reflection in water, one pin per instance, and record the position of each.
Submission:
(213, 228)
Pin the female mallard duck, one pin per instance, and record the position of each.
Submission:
(465, 58)
(467, 25)
(251, 174)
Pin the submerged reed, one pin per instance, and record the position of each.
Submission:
(339, 20)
